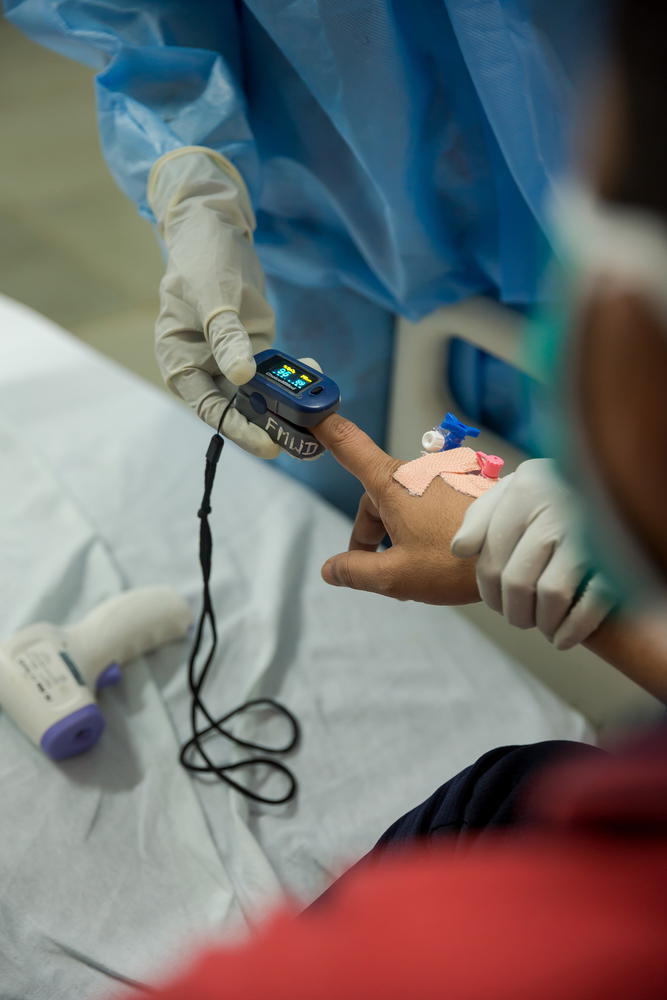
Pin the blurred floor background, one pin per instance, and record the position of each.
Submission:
(71, 245)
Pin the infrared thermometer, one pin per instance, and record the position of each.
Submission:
(49, 674)
(285, 398)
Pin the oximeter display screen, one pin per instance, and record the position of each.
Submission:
(288, 374)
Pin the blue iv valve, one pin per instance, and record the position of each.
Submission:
(450, 434)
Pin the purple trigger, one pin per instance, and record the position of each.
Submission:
(110, 675)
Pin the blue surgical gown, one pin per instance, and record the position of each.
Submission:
(397, 152)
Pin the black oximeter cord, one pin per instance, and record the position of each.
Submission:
(196, 680)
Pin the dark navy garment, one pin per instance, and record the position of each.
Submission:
(486, 796)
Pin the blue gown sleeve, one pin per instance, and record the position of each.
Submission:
(170, 75)
(527, 60)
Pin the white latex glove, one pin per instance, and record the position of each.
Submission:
(213, 313)
(529, 567)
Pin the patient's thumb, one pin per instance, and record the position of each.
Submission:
(359, 570)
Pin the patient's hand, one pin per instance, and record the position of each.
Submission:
(419, 566)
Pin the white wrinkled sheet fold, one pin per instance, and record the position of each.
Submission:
(97, 849)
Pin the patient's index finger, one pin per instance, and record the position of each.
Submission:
(355, 451)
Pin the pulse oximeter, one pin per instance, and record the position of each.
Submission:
(285, 398)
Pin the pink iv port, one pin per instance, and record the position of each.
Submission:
(490, 465)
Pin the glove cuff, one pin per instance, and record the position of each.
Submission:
(191, 171)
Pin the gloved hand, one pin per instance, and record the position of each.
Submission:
(213, 316)
(529, 567)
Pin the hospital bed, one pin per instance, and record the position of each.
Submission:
(421, 395)
(118, 854)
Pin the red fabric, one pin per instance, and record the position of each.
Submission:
(572, 911)
(626, 791)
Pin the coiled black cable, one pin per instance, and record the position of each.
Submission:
(196, 679)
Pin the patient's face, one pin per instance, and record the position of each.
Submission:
(624, 394)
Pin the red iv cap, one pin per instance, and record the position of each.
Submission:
(490, 465)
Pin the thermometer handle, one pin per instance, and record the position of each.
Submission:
(126, 626)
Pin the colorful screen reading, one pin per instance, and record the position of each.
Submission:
(290, 375)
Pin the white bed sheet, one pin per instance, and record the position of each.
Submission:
(118, 854)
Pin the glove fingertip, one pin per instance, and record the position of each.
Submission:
(269, 452)
(572, 633)
(464, 547)
(260, 445)
(241, 370)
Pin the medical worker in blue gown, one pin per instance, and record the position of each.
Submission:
(315, 167)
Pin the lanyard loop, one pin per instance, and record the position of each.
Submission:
(196, 679)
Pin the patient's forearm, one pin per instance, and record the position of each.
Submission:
(635, 648)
